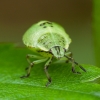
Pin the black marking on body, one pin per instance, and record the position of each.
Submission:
(45, 24)
(63, 41)
(42, 24)
(45, 52)
(57, 49)
(44, 27)
(47, 41)
(44, 43)
(50, 52)
(65, 50)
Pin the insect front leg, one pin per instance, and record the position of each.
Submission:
(31, 56)
(46, 71)
(32, 63)
(70, 58)
(69, 54)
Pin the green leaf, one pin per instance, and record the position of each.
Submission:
(65, 85)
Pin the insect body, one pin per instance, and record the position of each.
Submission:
(49, 40)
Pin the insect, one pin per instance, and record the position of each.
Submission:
(50, 41)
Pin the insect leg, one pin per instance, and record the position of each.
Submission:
(31, 65)
(80, 66)
(73, 65)
(28, 73)
(69, 57)
(69, 54)
(46, 71)
(31, 56)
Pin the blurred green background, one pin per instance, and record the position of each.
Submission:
(16, 16)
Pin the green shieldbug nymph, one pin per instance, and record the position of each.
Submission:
(51, 41)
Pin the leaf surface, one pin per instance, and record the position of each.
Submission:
(65, 84)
